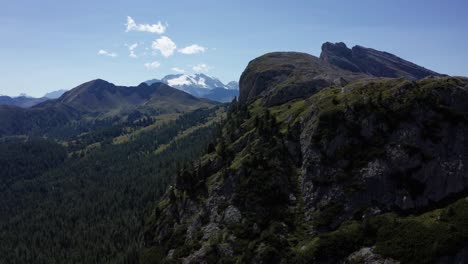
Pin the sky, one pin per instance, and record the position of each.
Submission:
(50, 45)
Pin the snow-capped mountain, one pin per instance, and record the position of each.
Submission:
(201, 85)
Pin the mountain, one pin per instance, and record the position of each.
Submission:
(314, 163)
(373, 62)
(319, 164)
(222, 95)
(290, 75)
(283, 76)
(97, 103)
(233, 85)
(200, 85)
(21, 101)
(55, 94)
(104, 97)
(6, 100)
(106, 151)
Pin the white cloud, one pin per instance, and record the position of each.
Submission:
(152, 65)
(131, 49)
(178, 70)
(165, 45)
(158, 28)
(106, 53)
(202, 67)
(192, 49)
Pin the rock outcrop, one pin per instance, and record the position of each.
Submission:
(279, 77)
(282, 76)
(372, 62)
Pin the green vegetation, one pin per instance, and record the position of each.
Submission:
(256, 165)
(90, 208)
(410, 239)
(25, 159)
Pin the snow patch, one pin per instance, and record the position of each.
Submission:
(179, 81)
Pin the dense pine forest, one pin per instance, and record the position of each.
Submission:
(69, 201)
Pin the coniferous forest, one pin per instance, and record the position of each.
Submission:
(59, 202)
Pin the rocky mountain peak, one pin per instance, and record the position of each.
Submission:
(283, 76)
(372, 62)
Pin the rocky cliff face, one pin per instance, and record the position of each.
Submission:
(283, 76)
(372, 62)
(325, 176)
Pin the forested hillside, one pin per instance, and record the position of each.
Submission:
(89, 207)
(319, 165)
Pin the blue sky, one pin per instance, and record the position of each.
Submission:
(48, 45)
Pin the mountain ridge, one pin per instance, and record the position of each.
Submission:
(315, 164)
(98, 101)
(372, 62)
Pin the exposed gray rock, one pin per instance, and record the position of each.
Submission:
(283, 76)
(367, 256)
(232, 215)
(413, 167)
(170, 254)
(197, 256)
(373, 62)
(210, 231)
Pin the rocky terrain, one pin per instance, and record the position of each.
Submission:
(372, 62)
(354, 157)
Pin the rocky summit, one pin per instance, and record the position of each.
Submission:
(372, 62)
(354, 157)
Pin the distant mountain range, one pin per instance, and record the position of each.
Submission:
(201, 85)
(21, 101)
(25, 101)
(96, 102)
(55, 94)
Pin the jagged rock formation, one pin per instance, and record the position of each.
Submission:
(324, 175)
(283, 76)
(372, 62)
